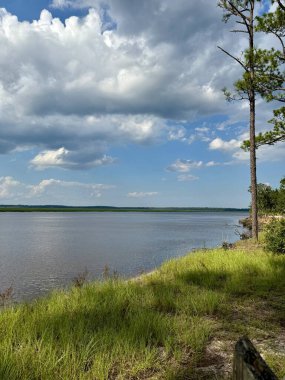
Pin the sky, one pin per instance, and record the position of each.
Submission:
(120, 103)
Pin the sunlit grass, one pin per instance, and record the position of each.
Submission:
(156, 327)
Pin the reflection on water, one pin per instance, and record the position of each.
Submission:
(42, 251)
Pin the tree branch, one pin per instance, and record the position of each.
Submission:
(281, 5)
(279, 38)
(245, 18)
(273, 141)
(238, 31)
(241, 22)
(235, 58)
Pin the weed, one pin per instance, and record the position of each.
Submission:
(80, 279)
(6, 296)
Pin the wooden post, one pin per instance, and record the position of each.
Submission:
(248, 364)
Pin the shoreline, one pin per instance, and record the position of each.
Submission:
(116, 275)
(182, 319)
(19, 209)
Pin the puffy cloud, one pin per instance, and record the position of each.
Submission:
(73, 68)
(85, 86)
(219, 144)
(65, 159)
(184, 166)
(264, 153)
(70, 85)
(8, 185)
(141, 131)
(50, 158)
(76, 85)
(141, 194)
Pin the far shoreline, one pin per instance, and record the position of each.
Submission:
(59, 208)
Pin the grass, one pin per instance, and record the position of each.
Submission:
(170, 324)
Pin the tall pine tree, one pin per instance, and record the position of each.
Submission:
(243, 11)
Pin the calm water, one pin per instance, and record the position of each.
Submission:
(42, 251)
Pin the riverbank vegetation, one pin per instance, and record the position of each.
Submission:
(271, 201)
(178, 322)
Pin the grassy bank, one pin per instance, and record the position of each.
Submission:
(179, 322)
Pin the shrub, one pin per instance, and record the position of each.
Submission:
(6, 296)
(226, 245)
(80, 279)
(275, 236)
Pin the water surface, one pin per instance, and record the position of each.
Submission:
(42, 251)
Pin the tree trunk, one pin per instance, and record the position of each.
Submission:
(253, 180)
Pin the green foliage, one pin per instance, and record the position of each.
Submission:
(266, 198)
(275, 236)
(267, 76)
(272, 22)
(269, 200)
(270, 84)
(261, 67)
(273, 136)
(231, 8)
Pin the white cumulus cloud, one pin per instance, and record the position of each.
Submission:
(77, 85)
(65, 159)
(8, 186)
(184, 166)
(86, 85)
(219, 144)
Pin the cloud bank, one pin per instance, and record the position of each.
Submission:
(50, 191)
(72, 89)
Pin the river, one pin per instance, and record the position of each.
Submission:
(42, 251)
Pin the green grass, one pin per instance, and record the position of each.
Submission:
(159, 326)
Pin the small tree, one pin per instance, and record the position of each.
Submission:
(275, 236)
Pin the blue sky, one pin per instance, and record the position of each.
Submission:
(120, 103)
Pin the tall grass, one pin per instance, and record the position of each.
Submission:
(154, 327)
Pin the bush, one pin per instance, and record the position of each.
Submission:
(275, 236)
(226, 245)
